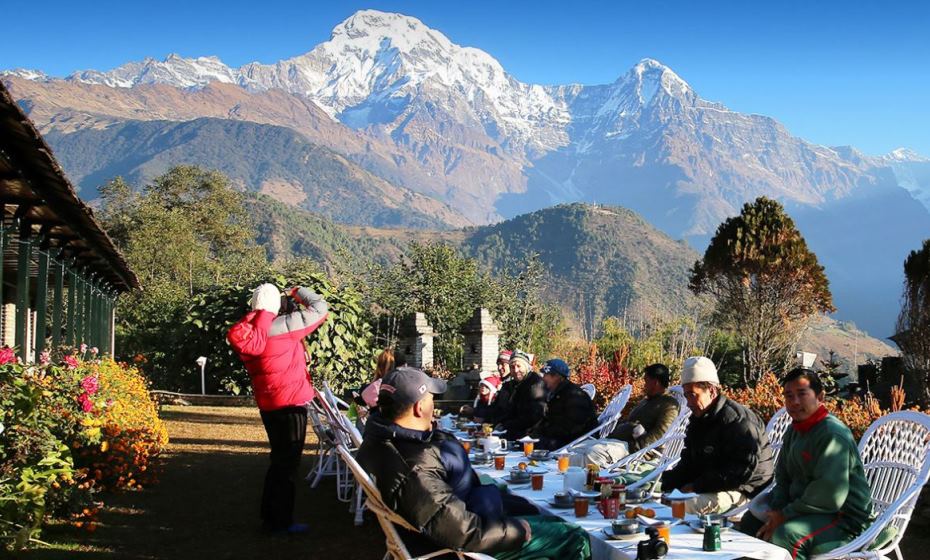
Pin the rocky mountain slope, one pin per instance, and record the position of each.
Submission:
(408, 105)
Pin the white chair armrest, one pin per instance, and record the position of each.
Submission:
(637, 455)
(869, 535)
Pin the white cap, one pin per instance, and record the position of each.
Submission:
(698, 369)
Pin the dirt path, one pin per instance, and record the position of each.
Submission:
(206, 505)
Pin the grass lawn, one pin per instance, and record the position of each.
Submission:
(206, 505)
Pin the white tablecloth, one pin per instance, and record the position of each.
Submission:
(685, 543)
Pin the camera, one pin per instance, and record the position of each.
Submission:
(653, 547)
(288, 304)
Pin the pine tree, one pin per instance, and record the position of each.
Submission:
(914, 320)
(766, 284)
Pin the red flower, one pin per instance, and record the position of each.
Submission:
(86, 404)
(7, 355)
(90, 384)
(71, 362)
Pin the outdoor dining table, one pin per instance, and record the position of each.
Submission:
(685, 543)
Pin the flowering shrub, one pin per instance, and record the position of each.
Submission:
(122, 431)
(71, 430)
(607, 376)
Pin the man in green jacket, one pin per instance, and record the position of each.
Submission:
(821, 498)
(646, 423)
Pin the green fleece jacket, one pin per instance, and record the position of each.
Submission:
(655, 414)
(820, 472)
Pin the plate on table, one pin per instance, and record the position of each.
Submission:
(552, 503)
(609, 532)
(698, 527)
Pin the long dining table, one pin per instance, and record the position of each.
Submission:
(684, 543)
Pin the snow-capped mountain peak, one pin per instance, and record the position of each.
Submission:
(173, 70)
(902, 155)
(651, 75)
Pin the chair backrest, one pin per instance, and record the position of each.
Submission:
(775, 430)
(611, 416)
(590, 389)
(674, 440)
(387, 517)
(894, 453)
(331, 397)
(344, 433)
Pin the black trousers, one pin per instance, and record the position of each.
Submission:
(286, 429)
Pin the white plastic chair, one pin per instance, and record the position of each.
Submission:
(607, 420)
(389, 519)
(326, 459)
(590, 390)
(347, 435)
(662, 454)
(777, 425)
(894, 452)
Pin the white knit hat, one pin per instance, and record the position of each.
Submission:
(698, 369)
(266, 297)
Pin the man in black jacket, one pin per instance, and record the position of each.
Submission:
(415, 471)
(569, 412)
(528, 400)
(726, 459)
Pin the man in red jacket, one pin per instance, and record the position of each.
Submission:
(271, 346)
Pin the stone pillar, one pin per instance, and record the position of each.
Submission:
(416, 340)
(482, 342)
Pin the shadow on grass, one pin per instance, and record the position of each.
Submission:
(206, 507)
(207, 418)
(227, 443)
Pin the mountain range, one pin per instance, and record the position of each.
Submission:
(433, 134)
(597, 260)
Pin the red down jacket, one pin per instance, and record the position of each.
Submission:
(272, 349)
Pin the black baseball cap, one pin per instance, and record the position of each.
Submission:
(407, 385)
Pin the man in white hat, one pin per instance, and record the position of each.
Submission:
(726, 459)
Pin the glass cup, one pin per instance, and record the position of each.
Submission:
(528, 448)
(467, 445)
(536, 479)
(678, 509)
(499, 461)
(563, 463)
(581, 506)
(665, 532)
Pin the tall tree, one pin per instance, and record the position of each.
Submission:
(434, 278)
(914, 320)
(184, 232)
(765, 281)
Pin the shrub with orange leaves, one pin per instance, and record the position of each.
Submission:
(607, 376)
(765, 398)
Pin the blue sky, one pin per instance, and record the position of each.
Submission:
(834, 73)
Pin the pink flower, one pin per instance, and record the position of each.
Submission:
(45, 357)
(86, 404)
(83, 348)
(90, 384)
(7, 355)
(70, 361)
(94, 351)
